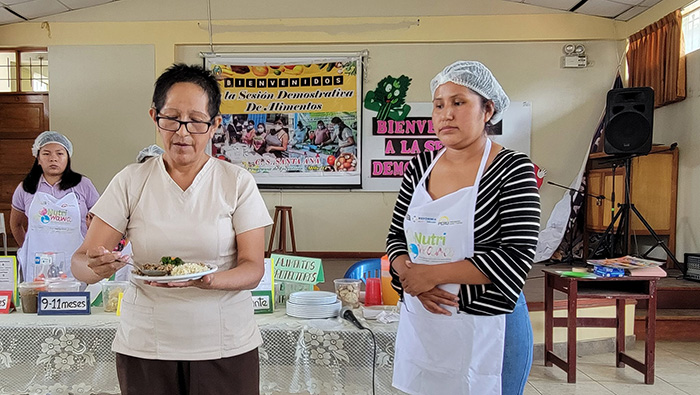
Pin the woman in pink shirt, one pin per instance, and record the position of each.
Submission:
(49, 207)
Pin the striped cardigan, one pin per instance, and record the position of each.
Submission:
(506, 227)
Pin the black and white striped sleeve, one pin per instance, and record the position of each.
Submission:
(517, 220)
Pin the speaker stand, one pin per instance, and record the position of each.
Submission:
(623, 229)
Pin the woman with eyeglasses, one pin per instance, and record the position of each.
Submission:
(49, 207)
(196, 336)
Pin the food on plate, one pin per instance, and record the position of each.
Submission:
(188, 268)
(174, 266)
(171, 260)
(345, 162)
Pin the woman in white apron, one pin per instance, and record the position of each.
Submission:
(461, 242)
(49, 207)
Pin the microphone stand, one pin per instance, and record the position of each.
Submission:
(572, 195)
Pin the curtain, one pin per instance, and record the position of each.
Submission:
(656, 58)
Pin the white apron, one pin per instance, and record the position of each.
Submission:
(54, 226)
(439, 354)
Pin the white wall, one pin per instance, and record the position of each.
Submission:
(566, 107)
(680, 122)
(100, 96)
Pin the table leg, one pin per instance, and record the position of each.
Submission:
(650, 341)
(620, 334)
(571, 331)
(548, 318)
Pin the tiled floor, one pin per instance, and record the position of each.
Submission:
(677, 372)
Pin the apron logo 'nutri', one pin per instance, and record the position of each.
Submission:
(430, 246)
(48, 215)
(433, 239)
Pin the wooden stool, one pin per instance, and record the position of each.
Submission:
(282, 241)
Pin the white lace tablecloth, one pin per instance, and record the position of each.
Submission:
(72, 355)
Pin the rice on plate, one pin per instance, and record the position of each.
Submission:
(188, 268)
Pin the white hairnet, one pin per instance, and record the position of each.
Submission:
(151, 150)
(49, 137)
(475, 76)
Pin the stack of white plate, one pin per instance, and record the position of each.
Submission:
(313, 304)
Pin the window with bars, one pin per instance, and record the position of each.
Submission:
(691, 27)
(24, 70)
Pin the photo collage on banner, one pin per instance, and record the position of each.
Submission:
(290, 120)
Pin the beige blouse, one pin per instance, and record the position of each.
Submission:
(198, 225)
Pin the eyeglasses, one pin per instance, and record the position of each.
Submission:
(173, 125)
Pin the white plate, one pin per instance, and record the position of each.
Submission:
(320, 311)
(177, 279)
(313, 297)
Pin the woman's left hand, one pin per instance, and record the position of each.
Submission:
(416, 279)
(432, 300)
(204, 283)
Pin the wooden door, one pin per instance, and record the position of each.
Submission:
(654, 191)
(23, 116)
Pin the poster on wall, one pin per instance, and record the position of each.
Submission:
(291, 120)
(389, 144)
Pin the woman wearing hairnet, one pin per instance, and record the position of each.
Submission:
(49, 207)
(149, 152)
(461, 242)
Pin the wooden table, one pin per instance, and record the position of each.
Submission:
(617, 288)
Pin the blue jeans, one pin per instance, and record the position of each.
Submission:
(517, 351)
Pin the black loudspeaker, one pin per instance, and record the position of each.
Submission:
(629, 119)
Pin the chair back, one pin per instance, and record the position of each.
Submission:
(3, 232)
(365, 268)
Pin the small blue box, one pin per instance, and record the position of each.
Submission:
(605, 271)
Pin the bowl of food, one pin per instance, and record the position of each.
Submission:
(345, 162)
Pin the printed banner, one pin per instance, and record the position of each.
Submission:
(290, 120)
(390, 143)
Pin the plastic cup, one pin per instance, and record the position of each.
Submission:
(29, 295)
(373, 292)
(348, 291)
(110, 294)
(64, 286)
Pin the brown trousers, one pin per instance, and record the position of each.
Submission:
(239, 375)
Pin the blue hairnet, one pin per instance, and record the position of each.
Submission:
(49, 137)
(475, 76)
(151, 150)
